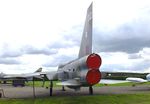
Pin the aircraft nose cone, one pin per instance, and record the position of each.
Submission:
(148, 77)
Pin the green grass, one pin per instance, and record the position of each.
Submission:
(95, 99)
(39, 84)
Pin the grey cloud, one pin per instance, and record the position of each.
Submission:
(59, 60)
(61, 44)
(134, 56)
(112, 68)
(7, 61)
(50, 64)
(140, 66)
(71, 37)
(145, 51)
(130, 38)
(7, 51)
(27, 50)
(33, 50)
(11, 54)
(74, 34)
(124, 45)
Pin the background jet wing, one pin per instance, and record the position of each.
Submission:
(109, 81)
(69, 83)
(22, 76)
(136, 80)
(8, 76)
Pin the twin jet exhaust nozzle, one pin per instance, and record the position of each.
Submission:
(93, 62)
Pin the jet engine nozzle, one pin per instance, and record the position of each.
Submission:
(93, 77)
(93, 61)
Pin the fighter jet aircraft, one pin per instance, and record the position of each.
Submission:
(21, 76)
(83, 71)
(19, 79)
(139, 80)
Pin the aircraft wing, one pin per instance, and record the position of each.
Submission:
(21, 76)
(136, 80)
(109, 81)
(70, 83)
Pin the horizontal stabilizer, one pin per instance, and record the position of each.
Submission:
(69, 83)
(136, 80)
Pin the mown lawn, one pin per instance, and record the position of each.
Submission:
(39, 84)
(95, 99)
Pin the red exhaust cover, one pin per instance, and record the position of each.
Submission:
(93, 61)
(93, 77)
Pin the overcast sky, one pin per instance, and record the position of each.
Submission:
(46, 33)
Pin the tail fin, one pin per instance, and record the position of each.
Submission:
(86, 43)
(2, 75)
(38, 70)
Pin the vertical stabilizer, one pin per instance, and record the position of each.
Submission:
(86, 42)
(38, 70)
